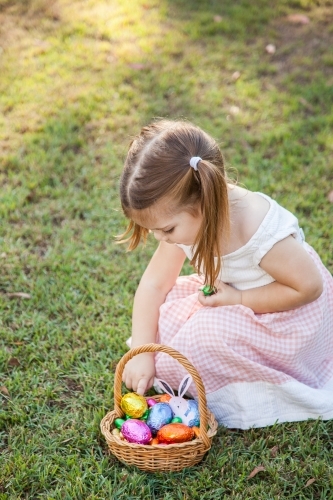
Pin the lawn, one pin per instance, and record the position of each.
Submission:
(78, 79)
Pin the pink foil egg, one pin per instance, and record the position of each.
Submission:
(136, 431)
(151, 402)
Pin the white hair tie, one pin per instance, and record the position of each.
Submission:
(194, 162)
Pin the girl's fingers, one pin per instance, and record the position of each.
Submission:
(142, 386)
(207, 300)
(226, 295)
(138, 379)
(126, 379)
(128, 382)
(151, 382)
(211, 301)
(139, 387)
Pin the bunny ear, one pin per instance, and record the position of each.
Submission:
(184, 385)
(165, 386)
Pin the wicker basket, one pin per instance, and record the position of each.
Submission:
(153, 458)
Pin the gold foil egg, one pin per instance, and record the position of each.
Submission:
(175, 433)
(133, 405)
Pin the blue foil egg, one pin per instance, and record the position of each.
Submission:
(192, 416)
(159, 415)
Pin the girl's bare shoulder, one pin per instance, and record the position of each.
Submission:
(248, 210)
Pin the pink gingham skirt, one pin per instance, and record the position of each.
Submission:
(256, 368)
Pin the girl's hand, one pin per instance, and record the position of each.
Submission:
(139, 373)
(226, 295)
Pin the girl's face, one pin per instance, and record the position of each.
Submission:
(182, 227)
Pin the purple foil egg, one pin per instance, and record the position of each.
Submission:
(136, 431)
(151, 402)
(159, 415)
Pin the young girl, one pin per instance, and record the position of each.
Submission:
(263, 343)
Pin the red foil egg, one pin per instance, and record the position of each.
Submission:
(175, 433)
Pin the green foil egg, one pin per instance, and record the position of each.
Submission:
(133, 405)
(145, 415)
(176, 420)
(208, 290)
(119, 422)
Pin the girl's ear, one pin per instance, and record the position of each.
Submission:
(165, 386)
(184, 385)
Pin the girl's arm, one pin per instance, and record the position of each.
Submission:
(157, 280)
(298, 282)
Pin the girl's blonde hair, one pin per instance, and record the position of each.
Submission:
(158, 167)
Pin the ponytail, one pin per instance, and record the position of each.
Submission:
(215, 220)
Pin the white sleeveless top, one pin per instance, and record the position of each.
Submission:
(241, 268)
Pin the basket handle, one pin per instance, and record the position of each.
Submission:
(184, 362)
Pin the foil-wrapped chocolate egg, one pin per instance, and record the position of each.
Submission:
(136, 431)
(196, 431)
(151, 402)
(119, 422)
(159, 415)
(192, 416)
(175, 433)
(133, 405)
(165, 398)
(176, 420)
(208, 290)
(116, 432)
(145, 415)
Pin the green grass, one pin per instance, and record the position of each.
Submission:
(78, 78)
